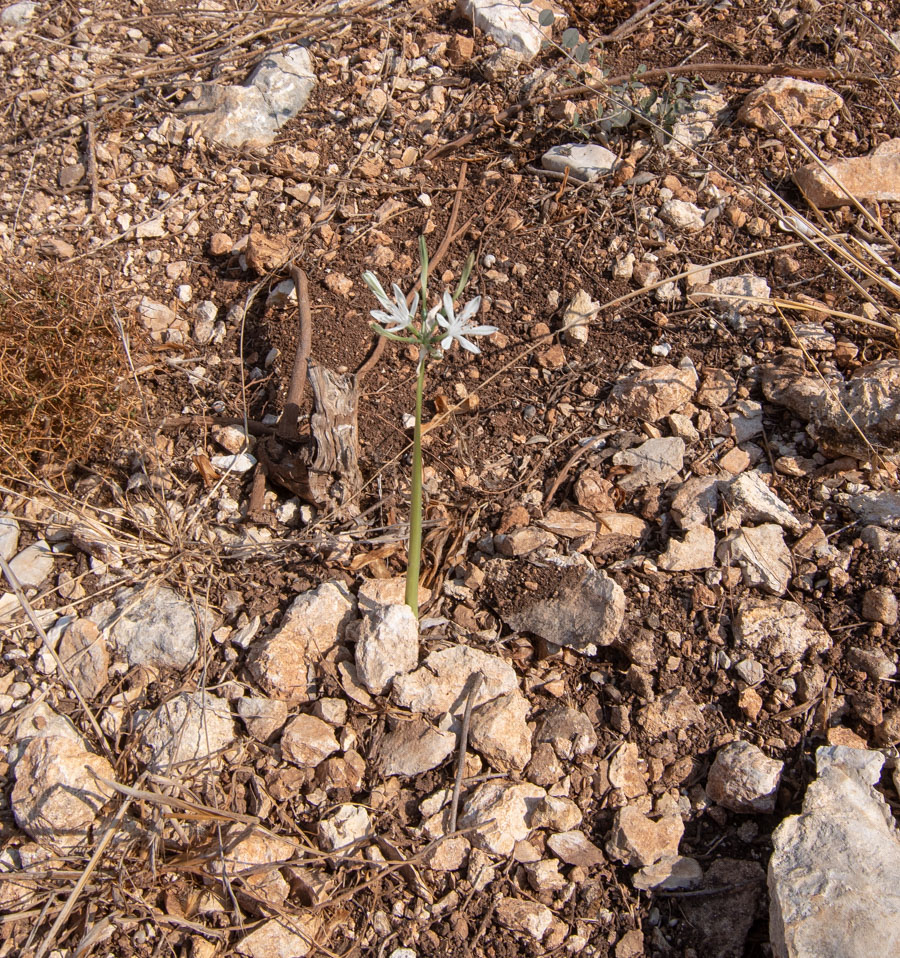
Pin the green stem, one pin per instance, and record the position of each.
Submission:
(414, 558)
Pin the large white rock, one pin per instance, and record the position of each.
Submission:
(33, 564)
(779, 628)
(834, 874)
(751, 500)
(308, 740)
(798, 103)
(251, 115)
(744, 779)
(414, 747)
(192, 727)
(512, 25)
(500, 732)
(501, 815)
(9, 536)
(584, 161)
(155, 628)
(58, 790)
(347, 825)
(388, 645)
(282, 937)
(762, 556)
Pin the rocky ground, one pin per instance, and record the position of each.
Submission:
(651, 693)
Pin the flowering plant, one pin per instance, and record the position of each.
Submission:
(432, 330)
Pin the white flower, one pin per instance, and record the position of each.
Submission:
(396, 315)
(458, 327)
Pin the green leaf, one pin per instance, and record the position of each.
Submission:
(641, 69)
(546, 17)
(583, 52)
(570, 37)
(464, 278)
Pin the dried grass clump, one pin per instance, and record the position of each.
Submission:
(64, 386)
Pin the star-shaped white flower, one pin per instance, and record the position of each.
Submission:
(458, 327)
(396, 315)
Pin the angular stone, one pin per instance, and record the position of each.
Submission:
(588, 608)
(717, 386)
(751, 500)
(799, 103)
(156, 628)
(388, 645)
(58, 791)
(280, 937)
(869, 179)
(568, 731)
(520, 542)
(743, 779)
(778, 628)
(674, 710)
(628, 772)
(569, 525)
(501, 815)
(313, 624)
(525, 917)
(880, 605)
(449, 855)
(684, 216)
(82, 650)
(191, 727)
(442, 683)
(307, 741)
(834, 874)
(577, 318)
(245, 850)
(874, 662)
(263, 717)
(735, 296)
(761, 555)
(696, 501)
(251, 115)
(584, 161)
(671, 873)
(33, 564)
(638, 840)
(9, 536)
(346, 826)
(412, 748)
(574, 848)
(557, 813)
(514, 26)
(375, 593)
(698, 551)
(880, 507)
(653, 463)
(500, 732)
(651, 394)
(544, 876)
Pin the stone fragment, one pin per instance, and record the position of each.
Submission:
(191, 727)
(834, 874)
(734, 297)
(280, 937)
(544, 876)
(577, 318)
(155, 317)
(778, 628)
(568, 524)
(674, 710)
(346, 826)
(628, 772)
(557, 813)
(244, 851)
(500, 732)
(637, 840)
(761, 555)
(266, 254)
(653, 463)
(888, 731)
(880, 605)
(696, 501)
(263, 717)
(220, 244)
(705, 110)
(544, 768)
(82, 650)
(525, 917)
(33, 564)
(449, 855)
(846, 417)
(671, 873)
(376, 593)
(520, 542)
(501, 815)
(716, 388)
(574, 848)
(743, 779)
(17, 15)
(568, 731)
(799, 103)
(587, 608)
(697, 551)
(313, 624)
(442, 683)
(412, 748)
(631, 944)
(307, 740)
(584, 161)
(620, 526)
(653, 393)
(514, 26)
(156, 628)
(250, 116)
(869, 179)
(388, 645)
(751, 500)
(685, 216)
(58, 791)
(874, 662)
(238, 464)
(9, 536)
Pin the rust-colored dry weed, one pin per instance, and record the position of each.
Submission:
(64, 386)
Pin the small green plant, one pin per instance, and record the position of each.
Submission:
(432, 331)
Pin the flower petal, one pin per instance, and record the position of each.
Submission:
(472, 348)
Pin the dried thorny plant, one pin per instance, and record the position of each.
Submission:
(64, 388)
